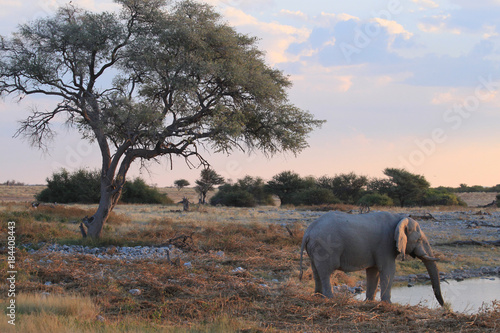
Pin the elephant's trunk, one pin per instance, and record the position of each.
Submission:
(434, 275)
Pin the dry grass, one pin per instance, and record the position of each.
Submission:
(210, 296)
(19, 193)
(476, 199)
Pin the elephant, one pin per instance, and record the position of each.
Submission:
(372, 241)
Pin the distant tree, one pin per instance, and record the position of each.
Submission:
(181, 183)
(375, 199)
(138, 192)
(13, 183)
(313, 196)
(284, 185)
(441, 197)
(157, 79)
(406, 188)
(246, 192)
(379, 185)
(208, 179)
(347, 187)
(234, 196)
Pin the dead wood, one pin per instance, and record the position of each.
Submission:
(472, 242)
(426, 216)
(181, 242)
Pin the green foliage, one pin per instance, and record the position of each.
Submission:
(247, 192)
(294, 190)
(208, 179)
(137, 191)
(82, 186)
(376, 199)
(475, 188)
(314, 196)
(285, 185)
(346, 187)
(229, 195)
(181, 183)
(406, 188)
(498, 200)
(441, 197)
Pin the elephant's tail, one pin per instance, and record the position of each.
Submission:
(304, 243)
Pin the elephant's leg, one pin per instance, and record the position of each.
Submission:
(386, 279)
(317, 281)
(372, 277)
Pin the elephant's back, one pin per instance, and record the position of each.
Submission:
(339, 223)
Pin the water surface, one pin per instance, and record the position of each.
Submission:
(468, 296)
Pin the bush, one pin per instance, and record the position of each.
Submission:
(82, 186)
(314, 196)
(234, 198)
(137, 191)
(440, 197)
(247, 192)
(498, 200)
(376, 199)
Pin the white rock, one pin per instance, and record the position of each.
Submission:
(135, 292)
(238, 270)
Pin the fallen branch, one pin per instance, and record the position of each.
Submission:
(472, 242)
(426, 216)
(180, 242)
(476, 224)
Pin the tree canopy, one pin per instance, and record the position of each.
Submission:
(154, 80)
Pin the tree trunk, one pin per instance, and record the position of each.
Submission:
(109, 198)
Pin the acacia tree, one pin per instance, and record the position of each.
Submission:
(154, 80)
(208, 179)
(181, 183)
(407, 188)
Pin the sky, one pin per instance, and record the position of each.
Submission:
(403, 84)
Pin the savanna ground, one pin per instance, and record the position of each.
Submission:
(242, 276)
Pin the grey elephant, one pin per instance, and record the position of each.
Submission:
(346, 242)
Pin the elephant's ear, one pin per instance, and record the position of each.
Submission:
(400, 236)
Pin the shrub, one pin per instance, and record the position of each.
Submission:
(82, 186)
(137, 191)
(376, 199)
(247, 192)
(314, 196)
(234, 198)
(440, 197)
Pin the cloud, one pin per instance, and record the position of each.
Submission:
(355, 41)
(426, 4)
(298, 15)
(278, 37)
(438, 24)
(244, 4)
(393, 27)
